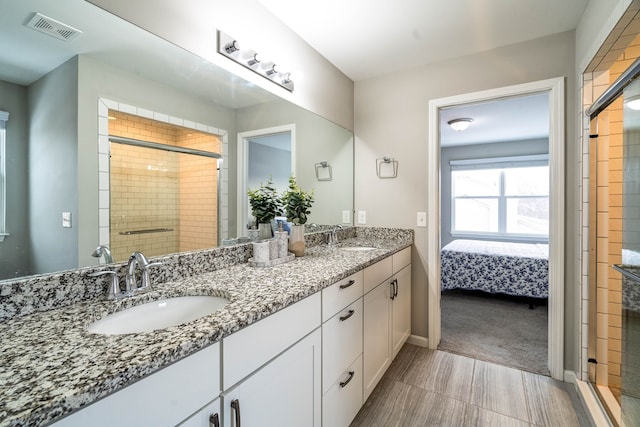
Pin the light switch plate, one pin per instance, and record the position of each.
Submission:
(346, 217)
(66, 219)
(421, 219)
(362, 217)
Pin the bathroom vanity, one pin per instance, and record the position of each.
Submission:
(303, 343)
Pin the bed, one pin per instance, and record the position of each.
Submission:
(520, 269)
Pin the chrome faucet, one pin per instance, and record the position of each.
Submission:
(103, 250)
(333, 237)
(137, 259)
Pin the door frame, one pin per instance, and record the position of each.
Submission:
(555, 88)
(243, 155)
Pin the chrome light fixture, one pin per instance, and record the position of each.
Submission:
(459, 124)
(229, 47)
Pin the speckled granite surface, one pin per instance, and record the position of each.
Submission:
(51, 365)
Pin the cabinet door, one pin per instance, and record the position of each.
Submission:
(209, 416)
(285, 392)
(401, 309)
(377, 336)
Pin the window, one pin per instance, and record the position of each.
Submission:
(4, 116)
(506, 197)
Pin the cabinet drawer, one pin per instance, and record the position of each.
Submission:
(342, 402)
(251, 347)
(341, 342)
(202, 418)
(377, 273)
(341, 294)
(401, 259)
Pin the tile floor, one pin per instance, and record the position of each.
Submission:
(433, 388)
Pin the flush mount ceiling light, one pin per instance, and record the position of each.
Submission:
(250, 59)
(459, 124)
(633, 102)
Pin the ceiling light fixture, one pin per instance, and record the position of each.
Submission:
(459, 124)
(633, 102)
(229, 47)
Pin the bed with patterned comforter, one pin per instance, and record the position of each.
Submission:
(520, 269)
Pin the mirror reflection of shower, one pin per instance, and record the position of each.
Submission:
(163, 187)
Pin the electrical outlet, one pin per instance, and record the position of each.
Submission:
(362, 217)
(346, 217)
(421, 219)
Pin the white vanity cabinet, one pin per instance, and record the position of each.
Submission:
(342, 311)
(387, 314)
(272, 370)
(167, 397)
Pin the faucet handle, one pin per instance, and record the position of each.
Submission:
(114, 291)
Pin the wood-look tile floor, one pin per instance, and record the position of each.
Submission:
(425, 387)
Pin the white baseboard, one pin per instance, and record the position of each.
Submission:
(418, 340)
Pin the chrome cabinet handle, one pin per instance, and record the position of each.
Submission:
(345, 382)
(346, 285)
(348, 315)
(214, 420)
(395, 287)
(235, 405)
(393, 290)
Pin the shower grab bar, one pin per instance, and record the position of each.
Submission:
(158, 146)
(149, 230)
(626, 272)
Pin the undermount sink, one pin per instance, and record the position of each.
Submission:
(157, 315)
(358, 248)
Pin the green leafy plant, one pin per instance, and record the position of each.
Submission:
(297, 203)
(265, 202)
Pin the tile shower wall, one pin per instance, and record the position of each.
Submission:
(154, 189)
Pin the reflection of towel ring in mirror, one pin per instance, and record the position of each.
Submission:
(320, 167)
(390, 164)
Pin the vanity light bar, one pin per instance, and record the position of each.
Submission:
(250, 59)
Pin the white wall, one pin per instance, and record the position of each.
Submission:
(391, 115)
(319, 86)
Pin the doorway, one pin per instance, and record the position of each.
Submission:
(555, 89)
(263, 154)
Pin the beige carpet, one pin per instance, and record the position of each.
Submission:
(495, 328)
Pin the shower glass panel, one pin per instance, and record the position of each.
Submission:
(614, 264)
(630, 268)
(161, 202)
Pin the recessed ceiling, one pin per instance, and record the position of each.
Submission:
(365, 38)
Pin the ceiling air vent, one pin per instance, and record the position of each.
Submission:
(54, 28)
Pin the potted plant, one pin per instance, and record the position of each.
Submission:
(265, 206)
(297, 205)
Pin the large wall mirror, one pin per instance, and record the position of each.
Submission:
(103, 121)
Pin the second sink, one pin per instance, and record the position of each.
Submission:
(157, 315)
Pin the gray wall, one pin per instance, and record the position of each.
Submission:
(317, 139)
(53, 179)
(391, 118)
(14, 251)
(277, 166)
(478, 151)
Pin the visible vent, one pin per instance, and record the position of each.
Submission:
(54, 28)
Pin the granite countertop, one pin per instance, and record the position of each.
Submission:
(51, 365)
